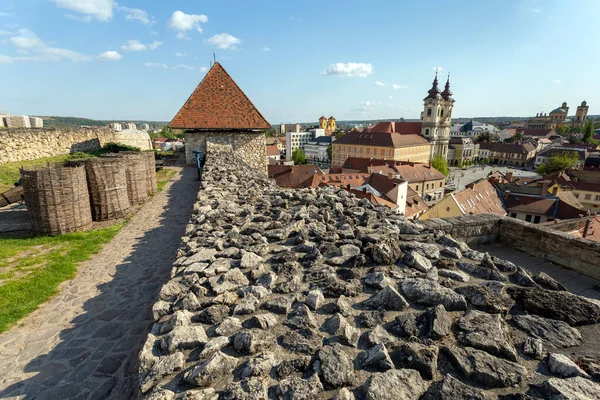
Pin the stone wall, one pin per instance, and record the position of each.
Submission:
(544, 242)
(315, 294)
(249, 146)
(30, 144)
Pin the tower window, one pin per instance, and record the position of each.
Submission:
(429, 112)
(427, 132)
(442, 113)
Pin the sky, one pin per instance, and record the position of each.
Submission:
(298, 60)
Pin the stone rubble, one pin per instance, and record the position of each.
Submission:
(315, 294)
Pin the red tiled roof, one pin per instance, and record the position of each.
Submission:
(218, 103)
(480, 197)
(272, 150)
(380, 139)
(410, 172)
(414, 203)
(298, 176)
(538, 132)
(403, 128)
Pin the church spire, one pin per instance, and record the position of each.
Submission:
(434, 92)
(447, 93)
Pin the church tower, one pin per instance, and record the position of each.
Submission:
(436, 117)
(581, 114)
(331, 124)
(322, 122)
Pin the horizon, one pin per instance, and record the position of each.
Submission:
(139, 60)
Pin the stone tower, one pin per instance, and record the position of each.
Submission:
(581, 114)
(323, 122)
(436, 117)
(331, 124)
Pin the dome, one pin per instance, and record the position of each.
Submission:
(558, 111)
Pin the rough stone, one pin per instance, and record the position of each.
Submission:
(387, 299)
(576, 388)
(424, 291)
(555, 333)
(208, 371)
(420, 357)
(563, 366)
(415, 260)
(452, 388)
(253, 341)
(486, 332)
(301, 318)
(486, 299)
(395, 384)
(184, 337)
(229, 326)
(376, 357)
(315, 299)
(336, 368)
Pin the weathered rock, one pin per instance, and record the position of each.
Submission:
(184, 337)
(375, 357)
(336, 368)
(259, 292)
(214, 314)
(386, 251)
(555, 333)
(486, 332)
(563, 366)
(247, 389)
(179, 318)
(522, 278)
(502, 265)
(425, 291)
(434, 323)
(415, 260)
(160, 309)
(344, 394)
(454, 274)
(486, 299)
(163, 367)
(298, 389)
(417, 356)
(547, 282)
(246, 306)
(485, 368)
(213, 346)
(258, 366)
(451, 252)
(264, 321)
(591, 365)
(278, 305)
(218, 367)
(395, 384)
(483, 272)
(370, 319)
(253, 341)
(377, 280)
(301, 318)
(342, 306)
(304, 341)
(229, 281)
(576, 388)
(229, 326)
(288, 367)
(315, 299)
(161, 394)
(452, 388)
(387, 299)
(202, 255)
(250, 260)
(574, 310)
(533, 348)
(339, 326)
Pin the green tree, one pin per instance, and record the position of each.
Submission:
(517, 137)
(588, 132)
(561, 130)
(559, 162)
(165, 132)
(483, 137)
(270, 132)
(298, 156)
(441, 165)
(339, 135)
(329, 150)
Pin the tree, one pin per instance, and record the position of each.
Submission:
(588, 132)
(562, 130)
(483, 137)
(339, 135)
(559, 162)
(329, 150)
(516, 138)
(270, 132)
(298, 156)
(441, 165)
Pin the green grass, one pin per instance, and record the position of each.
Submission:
(32, 268)
(162, 177)
(9, 173)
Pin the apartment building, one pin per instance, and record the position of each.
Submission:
(36, 122)
(299, 140)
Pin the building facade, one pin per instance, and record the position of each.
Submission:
(329, 124)
(299, 140)
(436, 118)
(315, 151)
(511, 153)
(36, 122)
(386, 146)
(559, 117)
(461, 150)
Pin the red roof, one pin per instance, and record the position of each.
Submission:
(479, 197)
(218, 103)
(382, 139)
(538, 132)
(272, 150)
(403, 128)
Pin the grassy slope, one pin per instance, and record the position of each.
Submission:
(19, 297)
(9, 173)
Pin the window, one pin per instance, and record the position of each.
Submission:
(588, 196)
(427, 187)
(528, 218)
(442, 113)
(417, 189)
(513, 215)
(598, 197)
(429, 112)
(576, 195)
(441, 184)
(536, 219)
(427, 131)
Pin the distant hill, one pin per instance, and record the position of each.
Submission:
(74, 122)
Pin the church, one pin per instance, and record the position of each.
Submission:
(327, 124)
(559, 117)
(436, 118)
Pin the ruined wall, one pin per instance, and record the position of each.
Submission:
(31, 144)
(249, 147)
(315, 294)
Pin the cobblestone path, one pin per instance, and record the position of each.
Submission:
(83, 344)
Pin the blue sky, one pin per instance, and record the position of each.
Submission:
(296, 60)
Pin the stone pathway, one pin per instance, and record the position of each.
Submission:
(84, 343)
(572, 280)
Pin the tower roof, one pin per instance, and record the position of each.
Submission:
(447, 94)
(322, 118)
(434, 92)
(331, 118)
(218, 103)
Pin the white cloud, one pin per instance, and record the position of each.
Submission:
(135, 14)
(391, 97)
(179, 66)
(102, 10)
(26, 40)
(536, 10)
(203, 69)
(557, 81)
(82, 18)
(350, 69)
(4, 33)
(6, 59)
(183, 23)
(5, 14)
(110, 55)
(183, 66)
(379, 83)
(266, 49)
(181, 54)
(397, 87)
(438, 69)
(223, 41)
(136, 45)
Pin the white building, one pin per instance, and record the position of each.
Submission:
(145, 127)
(471, 129)
(130, 126)
(315, 151)
(285, 128)
(295, 140)
(36, 122)
(117, 127)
